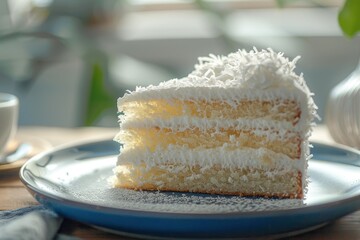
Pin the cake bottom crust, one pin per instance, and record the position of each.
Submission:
(212, 180)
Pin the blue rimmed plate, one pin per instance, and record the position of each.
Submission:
(73, 181)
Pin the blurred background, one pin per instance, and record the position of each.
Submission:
(69, 60)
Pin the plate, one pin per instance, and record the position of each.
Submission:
(73, 181)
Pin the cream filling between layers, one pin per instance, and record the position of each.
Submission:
(259, 126)
(260, 158)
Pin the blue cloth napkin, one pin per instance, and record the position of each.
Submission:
(31, 223)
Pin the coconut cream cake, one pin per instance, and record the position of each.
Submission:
(237, 125)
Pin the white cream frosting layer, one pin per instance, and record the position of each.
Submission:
(273, 129)
(261, 158)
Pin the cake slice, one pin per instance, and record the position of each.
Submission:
(238, 125)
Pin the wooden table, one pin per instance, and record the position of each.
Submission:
(14, 195)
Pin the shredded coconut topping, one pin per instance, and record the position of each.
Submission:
(249, 69)
(254, 69)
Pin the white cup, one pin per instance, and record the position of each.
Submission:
(9, 108)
